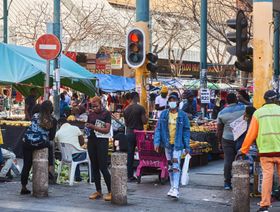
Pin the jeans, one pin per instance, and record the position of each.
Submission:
(9, 157)
(79, 157)
(229, 155)
(98, 154)
(27, 151)
(131, 144)
(174, 159)
(267, 164)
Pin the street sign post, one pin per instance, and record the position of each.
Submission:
(205, 96)
(48, 47)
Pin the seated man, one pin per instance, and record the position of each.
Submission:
(8, 162)
(72, 135)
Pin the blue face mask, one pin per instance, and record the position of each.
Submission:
(172, 105)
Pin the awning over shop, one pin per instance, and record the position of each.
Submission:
(22, 67)
(113, 83)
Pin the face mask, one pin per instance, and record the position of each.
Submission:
(172, 105)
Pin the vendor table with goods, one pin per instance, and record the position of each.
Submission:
(12, 132)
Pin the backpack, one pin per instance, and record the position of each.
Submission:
(35, 135)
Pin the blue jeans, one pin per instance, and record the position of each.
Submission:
(78, 157)
(174, 159)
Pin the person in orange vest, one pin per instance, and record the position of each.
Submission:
(265, 130)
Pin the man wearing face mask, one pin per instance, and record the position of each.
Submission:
(173, 134)
(161, 101)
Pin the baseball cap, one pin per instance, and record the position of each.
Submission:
(173, 95)
(270, 94)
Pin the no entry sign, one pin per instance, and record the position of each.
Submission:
(48, 46)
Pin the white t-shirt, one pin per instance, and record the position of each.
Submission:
(161, 102)
(69, 134)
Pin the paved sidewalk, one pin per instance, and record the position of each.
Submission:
(204, 194)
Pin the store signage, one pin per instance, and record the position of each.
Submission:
(205, 96)
(116, 61)
(48, 47)
(103, 61)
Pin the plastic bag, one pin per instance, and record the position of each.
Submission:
(185, 171)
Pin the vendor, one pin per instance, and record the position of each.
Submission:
(161, 101)
(190, 106)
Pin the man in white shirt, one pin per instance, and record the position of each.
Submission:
(72, 135)
(161, 101)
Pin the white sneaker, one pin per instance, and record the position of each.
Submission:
(170, 192)
(175, 193)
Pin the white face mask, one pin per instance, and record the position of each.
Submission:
(172, 105)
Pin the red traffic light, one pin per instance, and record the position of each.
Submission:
(134, 37)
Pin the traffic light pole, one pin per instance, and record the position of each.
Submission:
(5, 21)
(276, 50)
(203, 49)
(141, 73)
(262, 56)
(56, 75)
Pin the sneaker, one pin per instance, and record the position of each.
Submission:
(170, 192)
(132, 179)
(95, 195)
(175, 193)
(263, 209)
(24, 192)
(108, 197)
(227, 186)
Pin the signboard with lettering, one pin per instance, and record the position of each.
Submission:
(205, 96)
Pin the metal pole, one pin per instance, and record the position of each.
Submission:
(141, 73)
(47, 81)
(56, 85)
(203, 48)
(276, 49)
(5, 21)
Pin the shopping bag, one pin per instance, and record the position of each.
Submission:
(185, 172)
(1, 137)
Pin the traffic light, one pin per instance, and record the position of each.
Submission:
(152, 64)
(135, 48)
(240, 37)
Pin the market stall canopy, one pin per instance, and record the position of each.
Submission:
(195, 85)
(113, 83)
(22, 67)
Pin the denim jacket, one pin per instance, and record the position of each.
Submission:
(182, 137)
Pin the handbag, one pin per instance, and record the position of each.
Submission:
(35, 135)
(185, 172)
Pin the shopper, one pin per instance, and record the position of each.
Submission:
(8, 158)
(72, 135)
(173, 134)
(99, 123)
(30, 103)
(44, 124)
(249, 111)
(243, 97)
(190, 106)
(63, 105)
(225, 136)
(265, 129)
(219, 106)
(161, 100)
(135, 118)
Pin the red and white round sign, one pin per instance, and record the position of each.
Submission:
(48, 46)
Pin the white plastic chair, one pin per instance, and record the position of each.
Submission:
(66, 158)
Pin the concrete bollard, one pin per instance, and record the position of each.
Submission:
(119, 178)
(241, 186)
(40, 178)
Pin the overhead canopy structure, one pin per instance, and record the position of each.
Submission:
(113, 83)
(22, 67)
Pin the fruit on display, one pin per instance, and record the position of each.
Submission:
(200, 147)
(206, 127)
(15, 123)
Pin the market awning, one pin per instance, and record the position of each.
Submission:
(22, 67)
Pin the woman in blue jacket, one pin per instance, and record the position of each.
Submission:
(173, 134)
